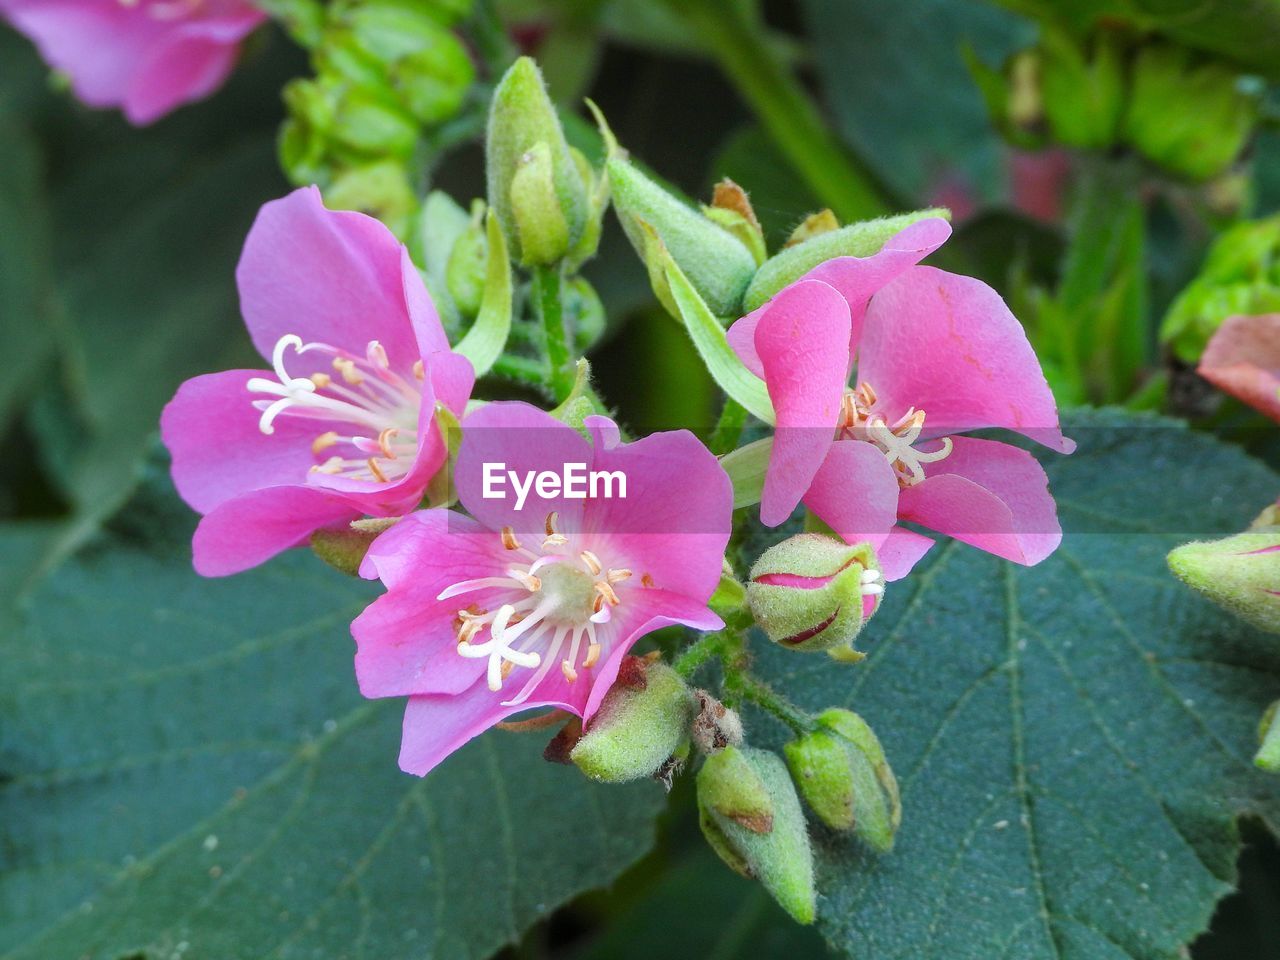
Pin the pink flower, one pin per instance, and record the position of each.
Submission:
(343, 426)
(931, 354)
(1243, 358)
(145, 56)
(510, 609)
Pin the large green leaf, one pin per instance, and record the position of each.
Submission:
(186, 769)
(1073, 741)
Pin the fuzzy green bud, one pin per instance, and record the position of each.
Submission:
(1240, 574)
(717, 263)
(381, 189)
(751, 817)
(856, 240)
(344, 547)
(525, 139)
(585, 311)
(642, 722)
(814, 592)
(841, 771)
(1240, 276)
(1189, 115)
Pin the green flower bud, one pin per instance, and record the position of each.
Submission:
(717, 263)
(856, 240)
(814, 592)
(1240, 574)
(731, 208)
(381, 190)
(367, 119)
(751, 817)
(1083, 88)
(344, 547)
(841, 771)
(525, 139)
(585, 311)
(1268, 755)
(1240, 276)
(1188, 115)
(597, 188)
(464, 272)
(642, 722)
(541, 229)
(730, 594)
(815, 224)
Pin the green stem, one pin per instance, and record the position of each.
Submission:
(730, 646)
(548, 303)
(728, 429)
(785, 110)
(697, 653)
(764, 697)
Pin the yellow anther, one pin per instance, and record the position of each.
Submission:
(527, 580)
(592, 562)
(606, 592)
(324, 442)
(509, 539)
(321, 380)
(348, 370)
(617, 576)
(593, 655)
(555, 540)
(418, 371)
(332, 465)
(507, 667)
(570, 674)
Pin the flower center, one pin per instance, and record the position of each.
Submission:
(375, 409)
(858, 421)
(545, 611)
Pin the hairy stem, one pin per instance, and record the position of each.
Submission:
(549, 304)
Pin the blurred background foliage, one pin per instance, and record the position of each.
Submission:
(118, 247)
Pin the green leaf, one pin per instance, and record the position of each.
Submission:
(713, 346)
(186, 767)
(1073, 741)
(746, 468)
(487, 337)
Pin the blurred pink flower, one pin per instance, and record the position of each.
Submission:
(145, 56)
(343, 426)
(921, 345)
(1243, 359)
(508, 609)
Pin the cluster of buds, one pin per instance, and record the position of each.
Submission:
(387, 72)
(1186, 112)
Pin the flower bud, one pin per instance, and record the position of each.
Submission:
(730, 595)
(343, 547)
(464, 272)
(642, 722)
(717, 263)
(841, 771)
(731, 208)
(585, 312)
(1268, 756)
(525, 140)
(1190, 116)
(1240, 277)
(379, 189)
(751, 817)
(815, 224)
(856, 240)
(1239, 573)
(814, 592)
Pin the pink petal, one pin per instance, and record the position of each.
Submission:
(990, 495)
(856, 279)
(335, 277)
(250, 529)
(799, 339)
(406, 643)
(433, 545)
(211, 430)
(1243, 359)
(859, 278)
(449, 372)
(901, 551)
(526, 440)
(948, 345)
(674, 523)
(437, 725)
(855, 493)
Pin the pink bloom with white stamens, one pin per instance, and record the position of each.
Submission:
(343, 425)
(145, 56)
(508, 610)
(873, 365)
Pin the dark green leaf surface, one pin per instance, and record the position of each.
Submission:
(1073, 741)
(187, 770)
